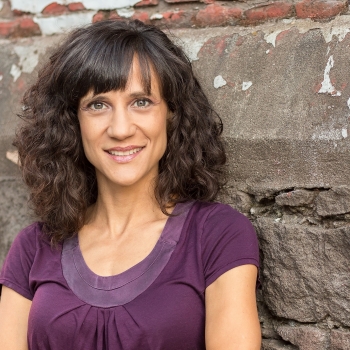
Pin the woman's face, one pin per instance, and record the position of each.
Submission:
(124, 132)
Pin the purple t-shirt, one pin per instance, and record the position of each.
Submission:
(156, 304)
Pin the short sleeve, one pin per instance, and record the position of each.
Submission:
(18, 263)
(229, 240)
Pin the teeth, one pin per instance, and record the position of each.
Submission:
(126, 153)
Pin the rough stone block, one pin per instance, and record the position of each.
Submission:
(296, 198)
(333, 202)
(272, 344)
(319, 9)
(305, 337)
(54, 9)
(217, 15)
(270, 11)
(340, 340)
(76, 6)
(305, 271)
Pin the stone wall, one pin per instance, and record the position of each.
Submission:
(278, 74)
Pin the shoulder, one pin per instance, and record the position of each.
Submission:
(214, 213)
(30, 238)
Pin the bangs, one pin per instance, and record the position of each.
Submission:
(105, 64)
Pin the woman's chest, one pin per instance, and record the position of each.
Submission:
(169, 315)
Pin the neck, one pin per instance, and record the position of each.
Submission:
(120, 208)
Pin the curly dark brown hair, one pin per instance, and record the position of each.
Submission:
(98, 57)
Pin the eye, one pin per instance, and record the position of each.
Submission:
(142, 103)
(96, 106)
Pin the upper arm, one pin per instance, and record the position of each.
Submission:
(231, 313)
(14, 312)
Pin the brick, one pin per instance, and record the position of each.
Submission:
(142, 16)
(7, 28)
(114, 15)
(340, 340)
(20, 27)
(271, 11)
(76, 6)
(99, 16)
(208, 1)
(54, 9)
(178, 1)
(320, 9)
(147, 3)
(217, 15)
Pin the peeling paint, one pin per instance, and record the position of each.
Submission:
(192, 44)
(344, 133)
(1, 5)
(267, 51)
(338, 32)
(328, 135)
(327, 87)
(271, 37)
(38, 5)
(12, 156)
(107, 4)
(63, 23)
(156, 16)
(348, 103)
(15, 72)
(1, 77)
(126, 12)
(246, 85)
(219, 81)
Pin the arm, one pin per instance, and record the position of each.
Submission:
(231, 315)
(14, 312)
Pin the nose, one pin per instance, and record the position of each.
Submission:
(121, 125)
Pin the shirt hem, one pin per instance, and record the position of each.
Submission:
(18, 289)
(222, 270)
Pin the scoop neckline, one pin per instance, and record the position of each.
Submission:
(83, 281)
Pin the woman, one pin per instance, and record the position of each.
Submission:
(122, 154)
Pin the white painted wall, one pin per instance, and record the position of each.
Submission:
(36, 6)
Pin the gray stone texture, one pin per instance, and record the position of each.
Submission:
(340, 340)
(296, 198)
(306, 271)
(272, 344)
(305, 337)
(333, 202)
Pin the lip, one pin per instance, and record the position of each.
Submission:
(124, 159)
(123, 149)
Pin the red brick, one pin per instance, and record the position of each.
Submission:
(270, 11)
(20, 27)
(178, 1)
(217, 15)
(141, 16)
(99, 16)
(7, 28)
(17, 12)
(54, 9)
(208, 1)
(114, 15)
(146, 3)
(320, 9)
(76, 6)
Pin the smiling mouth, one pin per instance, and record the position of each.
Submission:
(125, 153)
